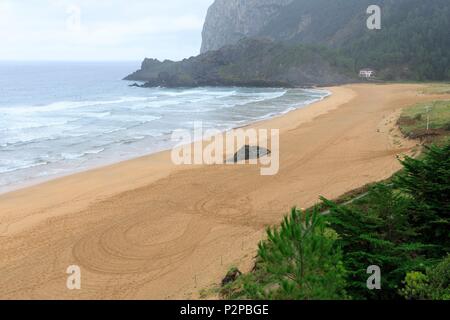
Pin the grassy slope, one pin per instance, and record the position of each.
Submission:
(438, 88)
(413, 121)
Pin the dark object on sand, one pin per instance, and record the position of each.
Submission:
(250, 152)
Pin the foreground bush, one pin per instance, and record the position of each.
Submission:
(375, 231)
(299, 260)
(402, 227)
(426, 182)
(434, 285)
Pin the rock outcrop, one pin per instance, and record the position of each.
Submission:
(228, 21)
(249, 63)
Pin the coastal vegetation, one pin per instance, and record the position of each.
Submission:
(412, 43)
(402, 226)
(299, 260)
(427, 121)
(437, 88)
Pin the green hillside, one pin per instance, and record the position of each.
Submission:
(413, 43)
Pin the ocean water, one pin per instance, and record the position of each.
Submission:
(58, 118)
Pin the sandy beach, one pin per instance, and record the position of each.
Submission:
(147, 229)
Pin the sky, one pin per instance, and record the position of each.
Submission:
(100, 30)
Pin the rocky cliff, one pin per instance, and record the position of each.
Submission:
(305, 21)
(228, 21)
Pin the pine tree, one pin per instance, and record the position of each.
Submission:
(302, 257)
(298, 261)
(375, 231)
(427, 182)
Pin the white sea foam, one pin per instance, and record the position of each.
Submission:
(73, 156)
(199, 92)
(20, 165)
(57, 137)
(67, 105)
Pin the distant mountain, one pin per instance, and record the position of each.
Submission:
(311, 42)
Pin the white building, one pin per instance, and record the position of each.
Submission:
(366, 73)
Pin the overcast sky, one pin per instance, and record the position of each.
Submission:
(100, 29)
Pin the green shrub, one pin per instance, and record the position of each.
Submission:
(435, 285)
(299, 260)
(416, 286)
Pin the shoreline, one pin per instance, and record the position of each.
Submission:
(35, 181)
(147, 229)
